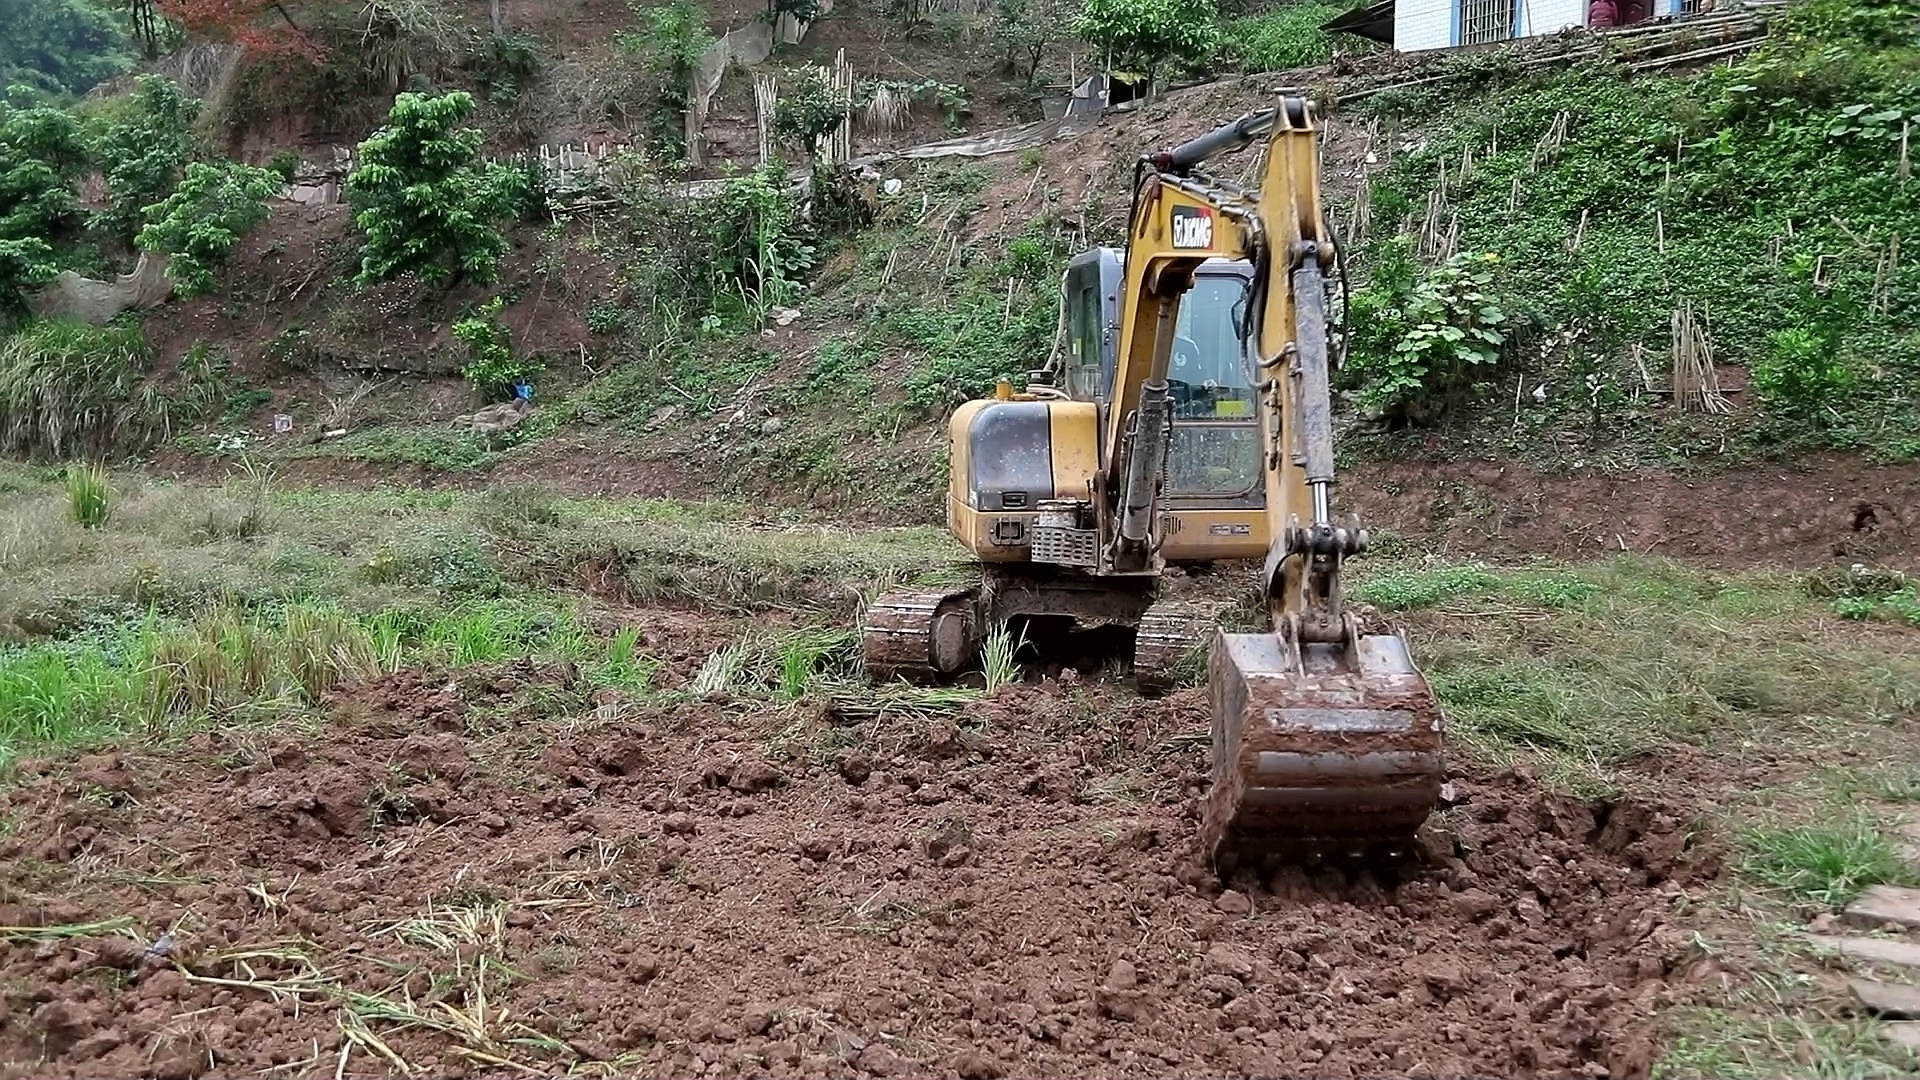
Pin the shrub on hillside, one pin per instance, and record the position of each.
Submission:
(199, 225)
(1802, 372)
(809, 109)
(1425, 339)
(142, 145)
(426, 200)
(491, 367)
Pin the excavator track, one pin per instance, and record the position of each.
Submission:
(1169, 637)
(919, 635)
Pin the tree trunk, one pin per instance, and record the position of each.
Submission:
(499, 29)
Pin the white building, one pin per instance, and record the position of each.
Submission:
(1415, 25)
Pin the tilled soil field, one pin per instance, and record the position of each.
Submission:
(456, 874)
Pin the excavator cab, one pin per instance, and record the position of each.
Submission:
(1213, 461)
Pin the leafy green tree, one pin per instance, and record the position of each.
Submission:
(41, 155)
(668, 40)
(200, 224)
(1025, 29)
(141, 150)
(426, 200)
(1141, 37)
(808, 110)
(60, 46)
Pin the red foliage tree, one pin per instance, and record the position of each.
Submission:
(261, 27)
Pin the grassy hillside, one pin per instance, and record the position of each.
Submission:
(1555, 220)
(1770, 196)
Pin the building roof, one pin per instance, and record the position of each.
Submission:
(1373, 21)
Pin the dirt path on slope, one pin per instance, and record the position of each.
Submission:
(1808, 513)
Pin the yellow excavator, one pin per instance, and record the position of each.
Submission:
(1115, 464)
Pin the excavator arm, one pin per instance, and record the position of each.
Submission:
(1327, 739)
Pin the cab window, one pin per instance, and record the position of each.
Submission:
(1084, 380)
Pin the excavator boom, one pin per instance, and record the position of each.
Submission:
(1327, 739)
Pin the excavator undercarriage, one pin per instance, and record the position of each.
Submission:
(935, 635)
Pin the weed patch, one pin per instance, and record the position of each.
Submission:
(1827, 864)
(69, 390)
(1621, 203)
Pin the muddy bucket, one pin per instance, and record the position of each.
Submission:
(1321, 751)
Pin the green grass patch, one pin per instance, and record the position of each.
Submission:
(1734, 1044)
(1576, 671)
(182, 549)
(1285, 37)
(1403, 588)
(1902, 607)
(159, 676)
(444, 451)
(1828, 864)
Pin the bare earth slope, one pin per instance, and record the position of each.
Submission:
(1018, 896)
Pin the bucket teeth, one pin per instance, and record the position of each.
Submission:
(1330, 751)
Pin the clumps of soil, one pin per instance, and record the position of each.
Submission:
(672, 891)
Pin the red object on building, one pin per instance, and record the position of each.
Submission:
(1602, 13)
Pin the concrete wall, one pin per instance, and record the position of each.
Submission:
(1423, 24)
(1435, 24)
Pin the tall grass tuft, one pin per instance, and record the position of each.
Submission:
(325, 647)
(222, 664)
(88, 497)
(1826, 863)
(999, 658)
(624, 666)
(808, 658)
(69, 390)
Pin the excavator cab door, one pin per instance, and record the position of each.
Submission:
(1215, 457)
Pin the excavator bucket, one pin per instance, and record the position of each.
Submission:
(1320, 750)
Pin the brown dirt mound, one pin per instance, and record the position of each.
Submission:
(735, 890)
